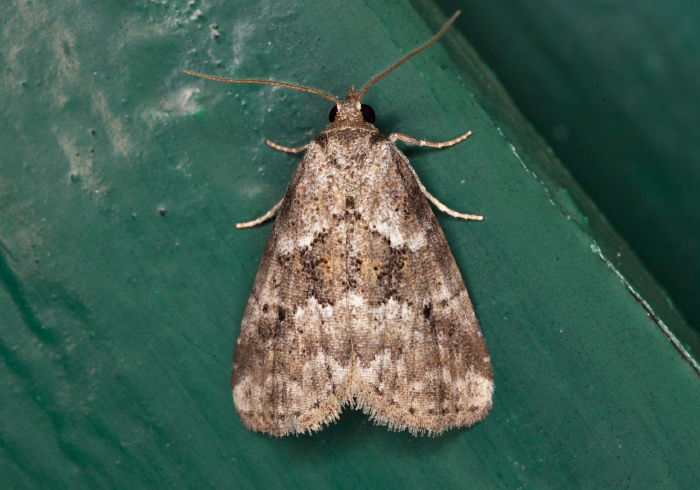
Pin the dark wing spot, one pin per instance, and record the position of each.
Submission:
(349, 203)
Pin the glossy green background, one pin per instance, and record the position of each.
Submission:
(124, 279)
(613, 86)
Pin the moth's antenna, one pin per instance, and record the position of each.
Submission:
(409, 55)
(265, 82)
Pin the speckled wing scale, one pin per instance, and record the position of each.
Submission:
(358, 300)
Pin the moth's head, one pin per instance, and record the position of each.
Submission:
(351, 110)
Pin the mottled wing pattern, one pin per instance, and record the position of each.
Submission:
(358, 300)
(421, 360)
(293, 351)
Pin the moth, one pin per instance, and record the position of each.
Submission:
(358, 301)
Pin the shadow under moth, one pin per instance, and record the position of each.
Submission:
(358, 300)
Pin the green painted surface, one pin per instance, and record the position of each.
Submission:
(118, 321)
(613, 87)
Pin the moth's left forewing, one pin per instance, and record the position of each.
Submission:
(422, 359)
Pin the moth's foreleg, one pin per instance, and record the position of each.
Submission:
(287, 149)
(263, 218)
(411, 140)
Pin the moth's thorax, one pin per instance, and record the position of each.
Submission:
(348, 127)
(347, 156)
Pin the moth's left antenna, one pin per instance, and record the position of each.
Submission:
(265, 82)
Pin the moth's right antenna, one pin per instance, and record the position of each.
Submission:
(409, 55)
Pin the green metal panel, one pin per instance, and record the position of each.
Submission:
(124, 279)
(613, 87)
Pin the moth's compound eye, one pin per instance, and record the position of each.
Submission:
(333, 113)
(368, 113)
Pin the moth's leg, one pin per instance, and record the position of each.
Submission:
(444, 208)
(298, 149)
(262, 218)
(410, 140)
(276, 207)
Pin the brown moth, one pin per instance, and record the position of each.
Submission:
(358, 300)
